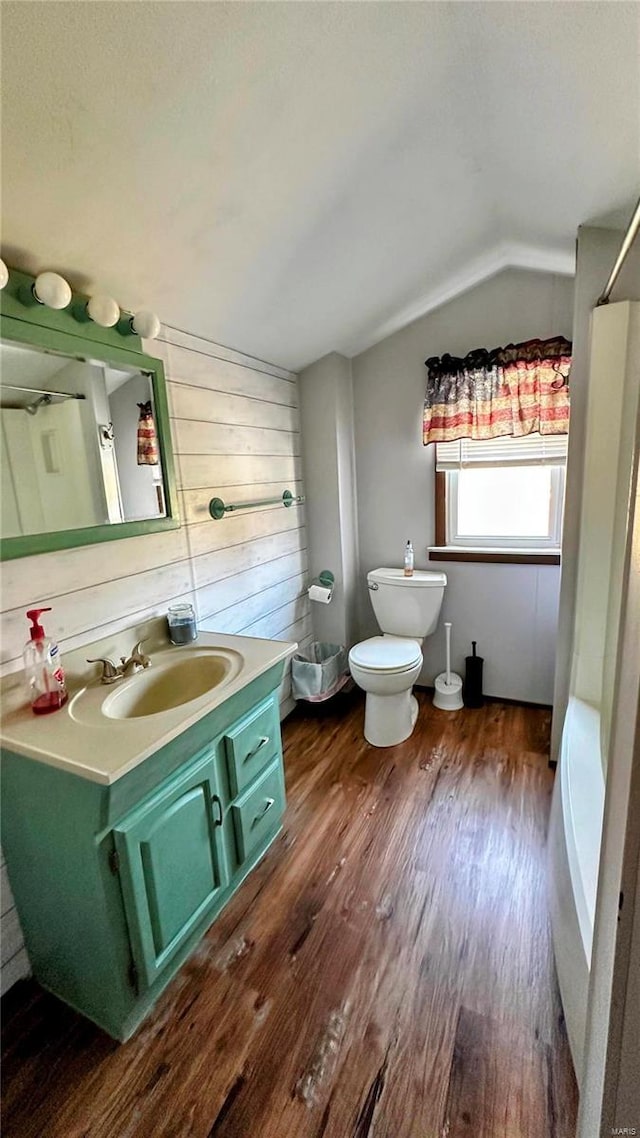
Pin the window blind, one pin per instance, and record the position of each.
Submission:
(543, 450)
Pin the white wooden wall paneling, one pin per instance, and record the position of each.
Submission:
(234, 529)
(215, 471)
(125, 620)
(238, 617)
(12, 939)
(273, 624)
(200, 404)
(197, 366)
(18, 966)
(296, 631)
(220, 563)
(93, 564)
(6, 896)
(80, 611)
(193, 437)
(14, 959)
(245, 586)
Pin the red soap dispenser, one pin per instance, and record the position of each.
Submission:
(43, 668)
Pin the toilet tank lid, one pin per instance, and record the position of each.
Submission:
(421, 577)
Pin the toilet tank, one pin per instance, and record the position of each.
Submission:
(406, 606)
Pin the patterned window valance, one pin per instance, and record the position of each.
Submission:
(507, 391)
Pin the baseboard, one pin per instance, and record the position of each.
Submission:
(496, 699)
(518, 702)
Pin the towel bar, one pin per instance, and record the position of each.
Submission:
(218, 508)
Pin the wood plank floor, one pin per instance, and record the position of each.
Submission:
(386, 972)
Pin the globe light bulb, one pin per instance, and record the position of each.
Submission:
(4, 274)
(52, 289)
(103, 310)
(146, 324)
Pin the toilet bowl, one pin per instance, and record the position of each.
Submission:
(386, 667)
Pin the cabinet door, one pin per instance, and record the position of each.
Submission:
(172, 864)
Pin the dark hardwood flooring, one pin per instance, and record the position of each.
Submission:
(386, 972)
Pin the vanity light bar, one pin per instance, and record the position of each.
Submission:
(53, 291)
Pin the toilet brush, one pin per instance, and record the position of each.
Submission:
(448, 685)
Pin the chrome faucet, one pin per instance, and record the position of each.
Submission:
(111, 672)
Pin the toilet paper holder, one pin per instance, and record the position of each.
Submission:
(321, 588)
(325, 579)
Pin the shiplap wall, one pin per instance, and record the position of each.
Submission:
(236, 435)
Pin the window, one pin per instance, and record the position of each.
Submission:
(500, 499)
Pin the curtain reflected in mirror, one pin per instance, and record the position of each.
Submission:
(78, 444)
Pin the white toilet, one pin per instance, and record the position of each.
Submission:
(386, 667)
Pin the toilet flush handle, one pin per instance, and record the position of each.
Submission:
(373, 585)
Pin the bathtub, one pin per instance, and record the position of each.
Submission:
(575, 830)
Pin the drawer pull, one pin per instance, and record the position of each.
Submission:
(269, 802)
(215, 801)
(263, 742)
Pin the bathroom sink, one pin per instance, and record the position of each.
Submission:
(171, 684)
(176, 677)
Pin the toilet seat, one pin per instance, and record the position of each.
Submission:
(386, 654)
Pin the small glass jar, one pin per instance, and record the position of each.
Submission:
(182, 624)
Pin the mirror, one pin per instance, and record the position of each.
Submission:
(84, 435)
(77, 443)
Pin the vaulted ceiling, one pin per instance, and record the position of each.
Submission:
(294, 178)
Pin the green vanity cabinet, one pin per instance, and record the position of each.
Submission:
(116, 883)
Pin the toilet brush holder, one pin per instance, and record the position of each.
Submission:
(448, 696)
(472, 687)
(448, 685)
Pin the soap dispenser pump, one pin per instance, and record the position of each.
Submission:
(43, 668)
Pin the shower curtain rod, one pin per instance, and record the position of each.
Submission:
(627, 242)
(40, 391)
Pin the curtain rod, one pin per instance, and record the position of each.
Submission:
(41, 391)
(627, 242)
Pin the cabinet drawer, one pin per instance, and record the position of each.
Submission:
(252, 744)
(259, 811)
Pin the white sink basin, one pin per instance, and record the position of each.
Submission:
(175, 678)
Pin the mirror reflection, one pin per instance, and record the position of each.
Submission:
(78, 443)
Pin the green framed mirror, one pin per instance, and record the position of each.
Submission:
(85, 441)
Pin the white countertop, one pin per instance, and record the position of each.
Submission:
(103, 749)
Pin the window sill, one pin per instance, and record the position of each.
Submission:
(494, 556)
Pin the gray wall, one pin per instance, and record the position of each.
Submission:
(510, 609)
(326, 415)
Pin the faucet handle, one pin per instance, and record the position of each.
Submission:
(137, 660)
(110, 672)
(139, 656)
